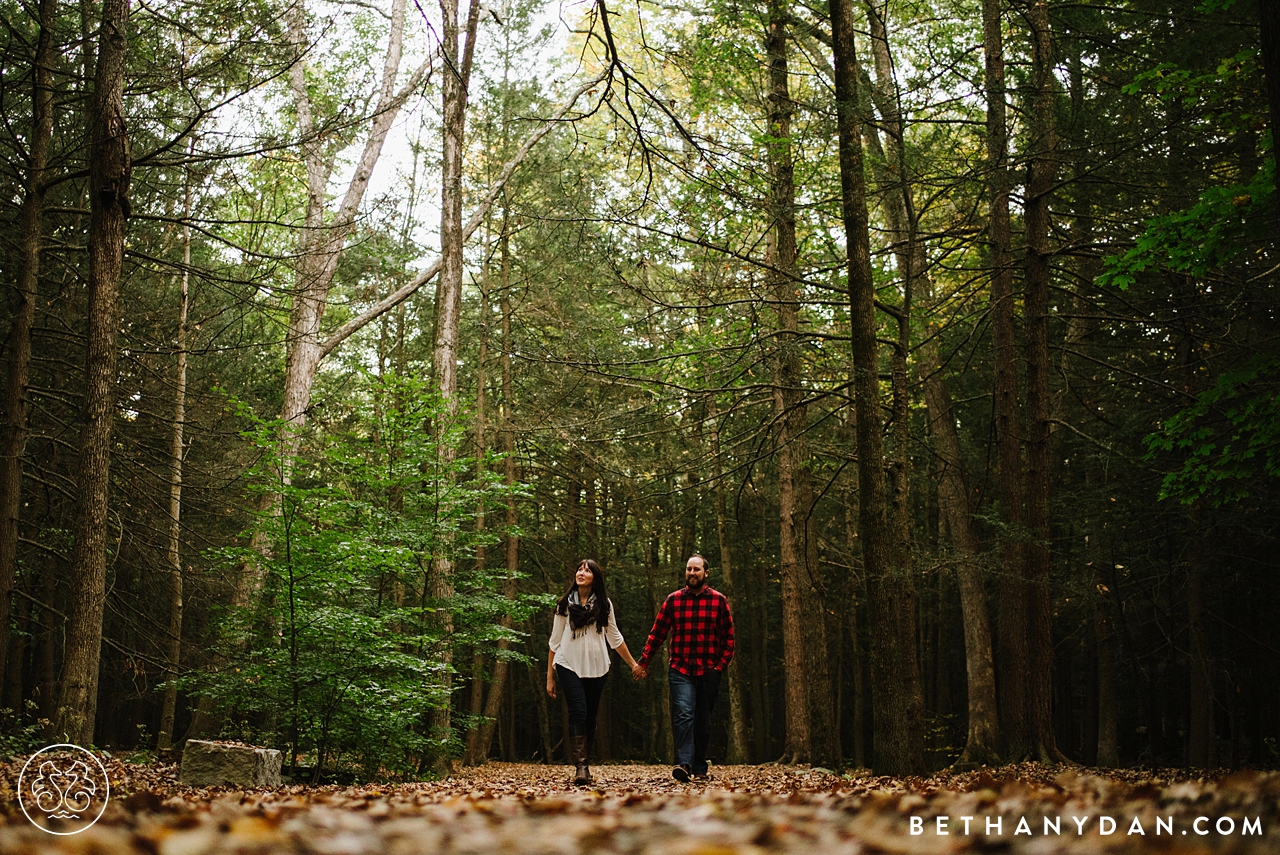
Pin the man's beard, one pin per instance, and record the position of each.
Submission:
(695, 585)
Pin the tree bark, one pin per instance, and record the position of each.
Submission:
(17, 406)
(1108, 746)
(897, 726)
(482, 358)
(1041, 170)
(506, 436)
(860, 706)
(1014, 656)
(737, 752)
(448, 318)
(894, 180)
(1201, 753)
(912, 255)
(322, 240)
(789, 409)
(174, 653)
(824, 727)
(109, 168)
(11, 688)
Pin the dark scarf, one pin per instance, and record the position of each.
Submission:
(580, 616)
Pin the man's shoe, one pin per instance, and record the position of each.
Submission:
(681, 773)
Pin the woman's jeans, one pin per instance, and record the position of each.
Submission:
(582, 695)
(692, 700)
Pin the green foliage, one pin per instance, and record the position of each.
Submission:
(340, 654)
(18, 738)
(1229, 438)
(1204, 237)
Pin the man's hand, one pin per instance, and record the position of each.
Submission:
(551, 686)
(639, 672)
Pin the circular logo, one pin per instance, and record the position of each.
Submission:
(63, 789)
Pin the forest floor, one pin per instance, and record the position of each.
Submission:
(525, 809)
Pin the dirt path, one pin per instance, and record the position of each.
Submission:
(639, 810)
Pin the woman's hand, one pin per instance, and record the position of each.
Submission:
(638, 671)
(551, 686)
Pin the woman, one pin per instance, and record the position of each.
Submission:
(584, 622)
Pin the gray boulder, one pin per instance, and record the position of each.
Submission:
(213, 764)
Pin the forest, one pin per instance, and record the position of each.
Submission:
(339, 332)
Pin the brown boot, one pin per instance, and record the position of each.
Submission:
(582, 776)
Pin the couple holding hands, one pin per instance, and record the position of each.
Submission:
(701, 628)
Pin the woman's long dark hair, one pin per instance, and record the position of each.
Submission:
(597, 588)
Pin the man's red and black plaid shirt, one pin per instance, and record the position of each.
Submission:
(701, 630)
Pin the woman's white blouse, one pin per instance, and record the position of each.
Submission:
(586, 655)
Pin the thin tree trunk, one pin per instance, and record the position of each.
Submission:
(737, 752)
(787, 393)
(1041, 171)
(1200, 731)
(48, 645)
(1014, 658)
(448, 318)
(859, 723)
(506, 436)
(898, 729)
(11, 694)
(322, 241)
(824, 727)
(477, 661)
(983, 739)
(165, 739)
(982, 743)
(17, 406)
(540, 701)
(109, 168)
(1108, 750)
(758, 650)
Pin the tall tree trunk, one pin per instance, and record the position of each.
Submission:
(982, 743)
(477, 661)
(1269, 20)
(787, 393)
(824, 727)
(1041, 170)
(322, 241)
(737, 752)
(1201, 740)
(17, 406)
(855, 598)
(173, 665)
(449, 309)
(11, 688)
(48, 643)
(109, 168)
(1108, 746)
(540, 699)
(897, 727)
(892, 176)
(912, 266)
(1014, 658)
(506, 436)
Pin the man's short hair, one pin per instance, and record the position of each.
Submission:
(705, 566)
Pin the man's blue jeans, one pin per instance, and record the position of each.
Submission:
(692, 700)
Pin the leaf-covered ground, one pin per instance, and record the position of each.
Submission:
(640, 810)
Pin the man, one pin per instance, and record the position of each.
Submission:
(701, 627)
